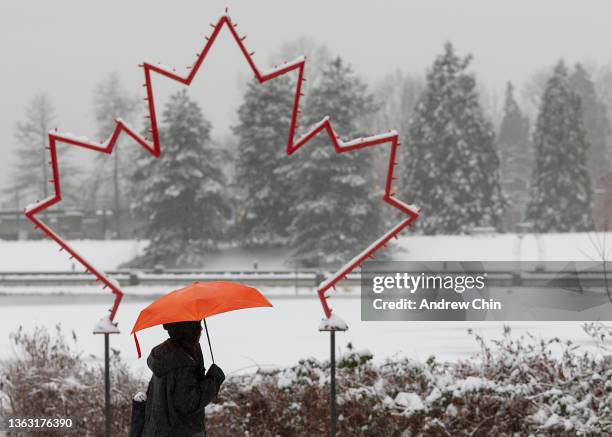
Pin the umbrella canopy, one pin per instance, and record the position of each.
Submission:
(196, 302)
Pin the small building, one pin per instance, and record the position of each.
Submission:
(69, 223)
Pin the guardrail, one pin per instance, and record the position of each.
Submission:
(280, 278)
(300, 278)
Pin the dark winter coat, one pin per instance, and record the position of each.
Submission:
(178, 391)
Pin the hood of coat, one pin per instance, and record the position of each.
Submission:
(170, 355)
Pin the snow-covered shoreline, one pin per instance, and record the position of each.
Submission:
(44, 255)
(262, 336)
(81, 306)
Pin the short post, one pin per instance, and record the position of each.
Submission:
(332, 369)
(333, 324)
(106, 326)
(107, 405)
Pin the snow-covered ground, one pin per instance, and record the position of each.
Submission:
(585, 246)
(277, 336)
(282, 335)
(108, 255)
(44, 255)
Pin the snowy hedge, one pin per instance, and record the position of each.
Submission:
(48, 377)
(515, 387)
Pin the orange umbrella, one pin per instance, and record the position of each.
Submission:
(196, 302)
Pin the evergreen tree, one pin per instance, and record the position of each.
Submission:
(32, 171)
(265, 194)
(603, 87)
(596, 123)
(107, 185)
(561, 187)
(336, 212)
(515, 155)
(181, 195)
(452, 168)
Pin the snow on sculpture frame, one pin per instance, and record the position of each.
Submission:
(154, 148)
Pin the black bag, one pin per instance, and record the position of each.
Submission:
(138, 418)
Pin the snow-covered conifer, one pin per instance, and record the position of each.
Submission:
(181, 197)
(452, 167)
(262, 163)
(337, 209)
(561, 186)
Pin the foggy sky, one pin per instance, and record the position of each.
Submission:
(65, 47)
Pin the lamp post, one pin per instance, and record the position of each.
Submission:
(332, 325)
(106, 326)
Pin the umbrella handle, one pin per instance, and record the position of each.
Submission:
(209, 346)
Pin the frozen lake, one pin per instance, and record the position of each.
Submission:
(282, 335)
(278, 336)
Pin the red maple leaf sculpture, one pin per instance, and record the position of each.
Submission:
(153, 146)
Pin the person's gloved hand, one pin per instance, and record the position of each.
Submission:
(216, 373)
